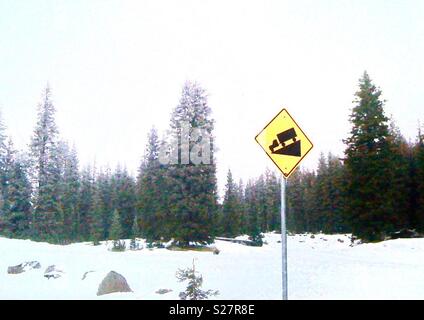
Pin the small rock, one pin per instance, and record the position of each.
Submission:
(15, 269)
(340, 240)
(25, 266)
(85, 274)
(113, 282)
(312, 237)
(52, 272)
(50, 269)
(163, 291)
(216, 251)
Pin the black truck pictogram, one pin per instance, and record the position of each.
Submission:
(281, 145)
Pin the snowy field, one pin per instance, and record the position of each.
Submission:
(323, 267)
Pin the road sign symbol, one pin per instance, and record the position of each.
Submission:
(284, 142)
(292, 149)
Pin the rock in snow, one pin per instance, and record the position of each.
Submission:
(52, 272)
(113, 282)
(317, 270)
(163, 291)
(25, 266)
(86, 273)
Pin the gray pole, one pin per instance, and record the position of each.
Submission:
(284, 236)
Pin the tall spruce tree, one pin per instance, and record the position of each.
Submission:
(152, 193)
(193, 199)
(369, 166)
(46, 173)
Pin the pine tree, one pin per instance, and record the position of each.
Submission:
(369, 167)
(46, 173)
(193, 197)
(152, 193)
(231, 208)
(17, 199)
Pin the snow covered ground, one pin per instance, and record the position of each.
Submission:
(319, 268)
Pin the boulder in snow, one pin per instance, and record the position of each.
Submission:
(25, 266)
(113, 282)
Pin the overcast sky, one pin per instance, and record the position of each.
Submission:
(116, 68)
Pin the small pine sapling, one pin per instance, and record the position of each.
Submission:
(195, 281)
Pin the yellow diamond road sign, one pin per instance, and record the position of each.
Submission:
(284, 142)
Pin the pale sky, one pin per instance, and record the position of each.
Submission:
(116, 68)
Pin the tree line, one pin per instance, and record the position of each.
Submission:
(46, 196)
(375, 189)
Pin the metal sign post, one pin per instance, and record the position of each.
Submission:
(284, 238)
(286, 145)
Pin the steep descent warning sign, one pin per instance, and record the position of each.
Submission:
(284, 142)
